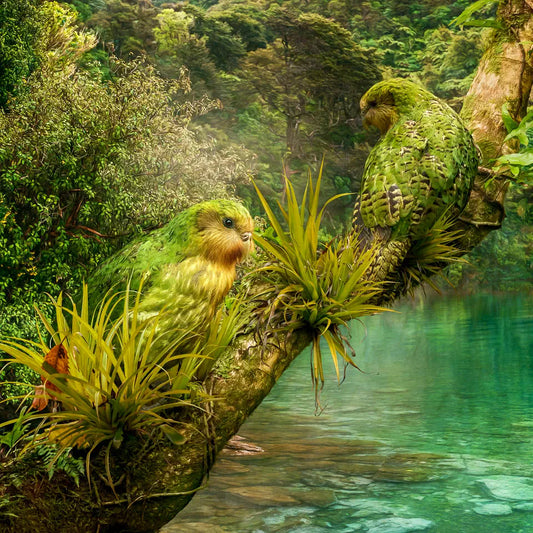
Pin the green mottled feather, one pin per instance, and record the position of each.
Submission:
(189, 265)
(423, 166)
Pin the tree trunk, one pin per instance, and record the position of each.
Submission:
(504, 76)
(155, 481)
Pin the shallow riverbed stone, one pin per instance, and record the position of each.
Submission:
(512, 488)
(523, 506)
(260, 495)
(493, 509)
(193, 527)
(398, 525)
(367, 507)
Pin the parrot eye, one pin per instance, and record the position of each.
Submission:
(228, 222)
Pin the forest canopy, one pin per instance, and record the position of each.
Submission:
(249, 88)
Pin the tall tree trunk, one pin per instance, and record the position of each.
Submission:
(504, 76)
(154, 482)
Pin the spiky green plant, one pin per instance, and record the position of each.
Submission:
(115, 384)
(227, 322)
(321, 290)
(430, 254)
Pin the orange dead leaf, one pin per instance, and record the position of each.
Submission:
(40, 400)
(57, 358)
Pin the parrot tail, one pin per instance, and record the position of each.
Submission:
(389, 254)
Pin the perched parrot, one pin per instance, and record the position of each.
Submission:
(189, 263)
(422, 167)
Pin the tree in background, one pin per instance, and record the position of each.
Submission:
(17, 45)
(449, 61)
(246, 21)
(178, 47)
(125, 27)
(312, 77)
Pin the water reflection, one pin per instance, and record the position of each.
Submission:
(426, 438)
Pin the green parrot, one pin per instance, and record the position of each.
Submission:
(422, 167)
(188, 265)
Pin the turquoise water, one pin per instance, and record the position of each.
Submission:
(436, 433)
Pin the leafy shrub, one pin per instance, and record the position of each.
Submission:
(106, 377)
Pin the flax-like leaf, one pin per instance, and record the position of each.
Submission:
(321, 291)
(271, 217)
(332, 350)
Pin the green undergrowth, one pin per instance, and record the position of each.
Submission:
(102, 382)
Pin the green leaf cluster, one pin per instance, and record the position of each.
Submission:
(119, 383)
(519, 164)
(18, 34)
(466, 18)
(63, 461)
(319, 290)
(116, 385)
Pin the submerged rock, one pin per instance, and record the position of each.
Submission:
(310, 529)
(323, 478)
(509, 487)
(398, 525)
(316, 497)
(493, 509)
(523, 506)
(411, 467)
(238, 445)
(259, 495)
(481, 467)
(283, 516)
(193, 527)
(523, 424)
(365, 507)
(231, 467)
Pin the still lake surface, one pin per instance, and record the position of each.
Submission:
(436, 433)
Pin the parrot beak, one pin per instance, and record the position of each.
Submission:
(364, 110)
(246, 236)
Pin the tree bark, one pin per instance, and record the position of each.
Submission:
(154, 481)
(504, 76)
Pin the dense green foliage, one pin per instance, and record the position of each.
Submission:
(289, 75)
(113, 375)
(504, 260)
(18, 55)
(86, 161)
(292, 74)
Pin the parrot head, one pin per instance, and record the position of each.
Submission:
(221, 232)
(384, 102)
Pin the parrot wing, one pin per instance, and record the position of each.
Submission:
(418, 170)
